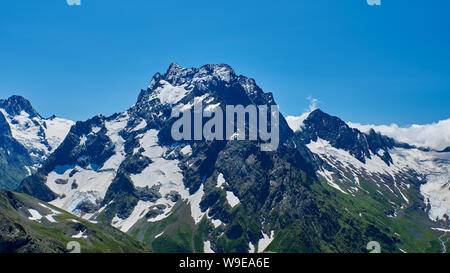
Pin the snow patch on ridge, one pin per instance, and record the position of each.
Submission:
(162, 172)
(329, 178)
(296, 123)
(81, 234)
(220, 181)
(169, 94)
(35, 215)
(187, 151)
(140, 126)
(252, 248)
(92, 187)
(232, 199)
(57, 130)
(139, 211)
(194, 201)
(265, 241)
(207, 247)
(114, 127)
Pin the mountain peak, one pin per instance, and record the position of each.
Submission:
(201, 78)
(14, 105)
(174, 67)
(318, 120)
(317, 113)
(178, 75)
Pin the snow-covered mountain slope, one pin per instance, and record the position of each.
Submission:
(431, 168)
(40, 136)
(27, 139)
(349, 156)
(127, 170)
(136, 137)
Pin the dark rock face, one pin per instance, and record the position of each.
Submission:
(148, 194)
(136, 164)
(378, 142)
(155, 211)
(96, 150)
(35, 186)
(173, 196)
(88, 207)
(122, 191)
(273, 188)
(13, 158)
(61, 181)
(14, 237)
(5, 130)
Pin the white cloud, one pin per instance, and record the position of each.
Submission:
(435, 135)
(73, 2)
(296, 122)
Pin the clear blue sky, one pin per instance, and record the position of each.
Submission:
(365, 64)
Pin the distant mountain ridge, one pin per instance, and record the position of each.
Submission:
(14, 105)
(28, 139)
(398, 166)
(321, 125)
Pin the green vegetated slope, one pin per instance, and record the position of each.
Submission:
(409, 230)
(174, 234)
(354, 221)
(28, 225)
